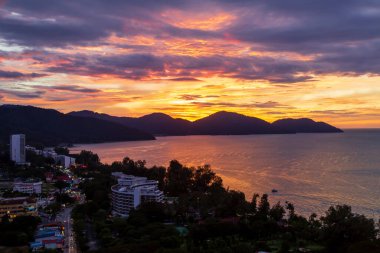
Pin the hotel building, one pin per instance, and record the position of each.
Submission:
(131, 191)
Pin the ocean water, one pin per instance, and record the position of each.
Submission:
(313, 171)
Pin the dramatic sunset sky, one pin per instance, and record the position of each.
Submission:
(270, 59)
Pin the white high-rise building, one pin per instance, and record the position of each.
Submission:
(18, 148)
(131, 191)
(65, 161)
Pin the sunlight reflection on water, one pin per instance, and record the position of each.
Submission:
(313, 171)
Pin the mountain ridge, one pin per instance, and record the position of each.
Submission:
(219, 123)
(51, 127)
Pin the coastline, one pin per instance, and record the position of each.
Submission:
(259, 163)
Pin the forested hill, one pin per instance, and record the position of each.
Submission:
(220, 123)
(50, 127)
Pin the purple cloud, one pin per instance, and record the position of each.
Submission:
(340, 37)
(23, 94)
(18, 75)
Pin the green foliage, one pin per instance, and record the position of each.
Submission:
(97, 191)
(151, 211)
(53, 128)
(88, 158)
(79, 226)
(277, 212)
(218, 219)
(62, 150)
(60, 185)
(64, 198)
(39, 166)
(178, 179)
(264, 206)
(341, 228)
(285, 247)
(365, 246)
(19, 231)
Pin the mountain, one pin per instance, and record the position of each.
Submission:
(155, 123)
(225, 123)
(50, 127)
(303, 125)
(220, 123)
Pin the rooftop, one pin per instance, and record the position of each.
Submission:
(18, 200)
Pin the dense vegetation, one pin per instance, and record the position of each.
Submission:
(202, 215)
(19, 231)
(206, 217)
(61, 128)
(39, 165)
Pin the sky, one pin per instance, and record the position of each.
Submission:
(269, 59)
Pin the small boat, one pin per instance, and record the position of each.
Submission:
(274, 190)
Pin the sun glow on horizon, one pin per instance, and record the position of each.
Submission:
(190, 60)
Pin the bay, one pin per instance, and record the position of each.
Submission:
(313, 171)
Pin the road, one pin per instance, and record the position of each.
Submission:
(65, 217)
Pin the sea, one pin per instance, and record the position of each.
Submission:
(312, 171)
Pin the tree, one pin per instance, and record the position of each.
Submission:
(88, 158)
(277, 212)
(60, 185)
(19, 231)
(179, 179)
(253, 204)
(62, 150)
(263, 209)
(204, 177)
(285, 247)
(342, 228)
(158, 174)
(367, 246)
(64, 198)
(290, 208)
